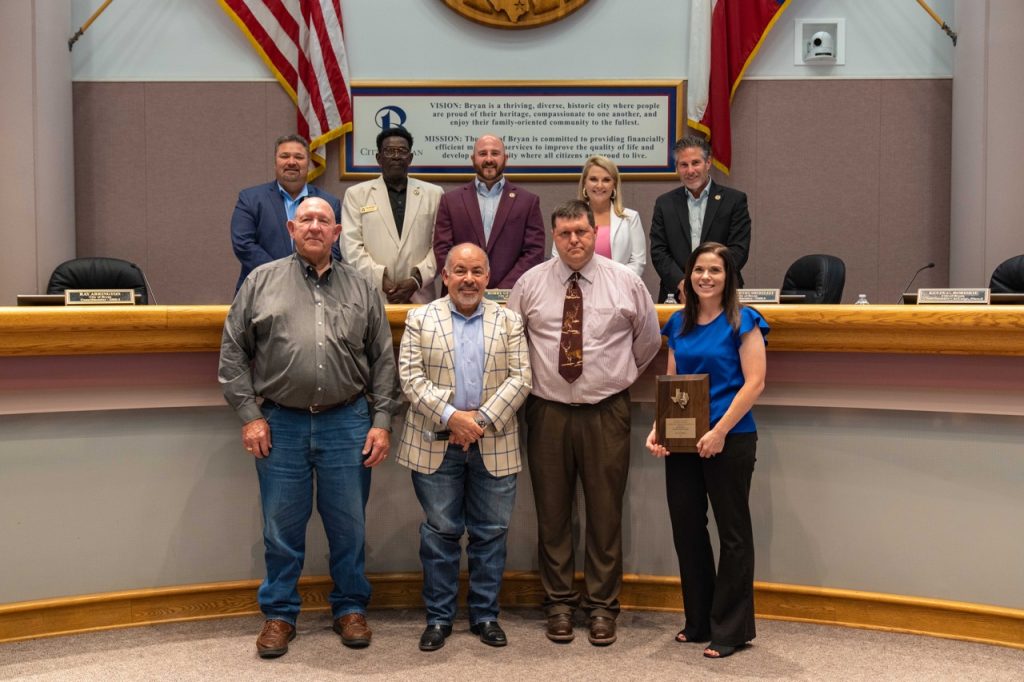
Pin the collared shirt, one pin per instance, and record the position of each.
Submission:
(301, 340)
(397, 199)
(468, 338)
(620, 328)
(697, 207)
(488, 200)
(291, 204)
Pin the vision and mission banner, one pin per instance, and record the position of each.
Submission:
(550, 128)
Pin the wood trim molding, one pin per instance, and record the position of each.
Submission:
(944, 330)
(848, 608)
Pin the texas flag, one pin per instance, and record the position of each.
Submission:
(725, 35)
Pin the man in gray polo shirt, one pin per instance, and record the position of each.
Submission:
(309, 336)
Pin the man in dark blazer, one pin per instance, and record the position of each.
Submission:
(500, 218)
(259, 232)
(721, 213)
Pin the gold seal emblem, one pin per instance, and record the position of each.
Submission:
(515, 13)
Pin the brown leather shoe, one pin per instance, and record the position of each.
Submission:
(560, 627)
(602, 630)
(274, 638)
(354, 631)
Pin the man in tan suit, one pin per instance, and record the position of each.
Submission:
(465, 369)
(388, 224)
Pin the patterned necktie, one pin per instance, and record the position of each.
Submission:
(570, 348)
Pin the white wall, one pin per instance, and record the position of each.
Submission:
(37, 185)
(884, 39)
(399, 39)
(988, 143)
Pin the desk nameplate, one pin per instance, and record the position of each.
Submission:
(99, 297)
(978, 296)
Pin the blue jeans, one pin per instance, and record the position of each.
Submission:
(463, 496)
(327, 447)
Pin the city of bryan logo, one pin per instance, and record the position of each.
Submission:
(515, 13)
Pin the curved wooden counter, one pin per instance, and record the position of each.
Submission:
(888, 467)
(945, 330)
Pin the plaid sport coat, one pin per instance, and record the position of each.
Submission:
(426, 369)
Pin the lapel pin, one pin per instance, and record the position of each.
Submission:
(511, 195)
(416, 192)
(718, 197)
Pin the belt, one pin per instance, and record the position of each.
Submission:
(317, 409)
(599, 403)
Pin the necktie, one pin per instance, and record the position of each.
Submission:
(570, 348)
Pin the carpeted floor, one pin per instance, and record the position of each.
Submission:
(224, 650)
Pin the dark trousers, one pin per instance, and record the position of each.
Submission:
(718, 607)
(590, 442)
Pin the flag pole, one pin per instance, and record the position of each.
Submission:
(938, 20)
(87, 24)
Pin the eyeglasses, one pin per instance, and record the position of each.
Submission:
(394, 152)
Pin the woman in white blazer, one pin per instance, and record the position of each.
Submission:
(620, 236)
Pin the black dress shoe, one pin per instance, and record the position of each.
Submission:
(433, 637)
(490, 633)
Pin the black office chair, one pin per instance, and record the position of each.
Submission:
(819, 277)
(98, 273)
(1008, 278)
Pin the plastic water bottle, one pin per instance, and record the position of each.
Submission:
(671, 300)
(862, 299)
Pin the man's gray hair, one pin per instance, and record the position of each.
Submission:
(448, 258)
(694, 142)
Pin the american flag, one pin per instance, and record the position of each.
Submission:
(725, 35)
(302, 43)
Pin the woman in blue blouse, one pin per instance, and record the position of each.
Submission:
(717, 336)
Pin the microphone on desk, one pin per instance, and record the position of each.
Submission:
(907, 288)
(149, 287)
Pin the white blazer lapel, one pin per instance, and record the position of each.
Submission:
(379, 196)
(413, 197)
(615, 233)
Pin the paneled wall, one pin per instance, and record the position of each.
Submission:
(856, 168)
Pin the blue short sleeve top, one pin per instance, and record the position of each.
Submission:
(714, 349)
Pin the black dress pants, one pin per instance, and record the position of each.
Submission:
(719, 605)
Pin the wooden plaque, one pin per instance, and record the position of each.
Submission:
(683, 404)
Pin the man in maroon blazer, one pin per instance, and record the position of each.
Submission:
(494, 214)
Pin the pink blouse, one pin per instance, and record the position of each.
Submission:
(603, 246)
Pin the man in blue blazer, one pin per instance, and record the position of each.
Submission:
(699, 211)
(259, 232)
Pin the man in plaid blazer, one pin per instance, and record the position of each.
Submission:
(465, 369)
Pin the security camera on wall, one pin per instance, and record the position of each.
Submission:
(820, 42)
(820, 48)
